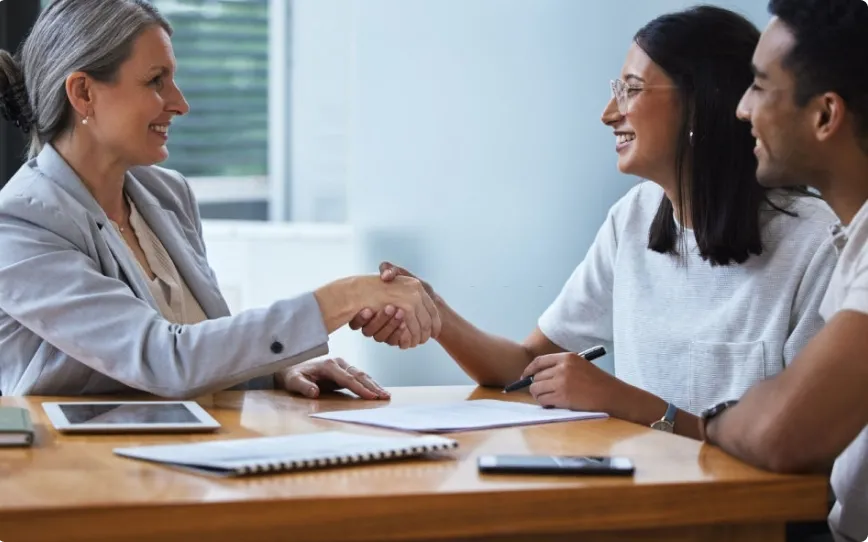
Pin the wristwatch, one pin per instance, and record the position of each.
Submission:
(709, 414)
(667, 422)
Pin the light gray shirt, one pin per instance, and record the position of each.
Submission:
(692, 333)
(848, 290)
(77, 316)
(177, 303)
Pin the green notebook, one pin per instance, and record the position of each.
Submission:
(16, 428)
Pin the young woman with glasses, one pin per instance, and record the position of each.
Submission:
(702, 280)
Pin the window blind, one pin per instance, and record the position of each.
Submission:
(221, 48)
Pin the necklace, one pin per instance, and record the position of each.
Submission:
(120, 226)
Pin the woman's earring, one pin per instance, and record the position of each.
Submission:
(84, 120)
(691, 137)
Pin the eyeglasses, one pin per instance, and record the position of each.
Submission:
(623, 92)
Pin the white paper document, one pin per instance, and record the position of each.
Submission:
(458, 416)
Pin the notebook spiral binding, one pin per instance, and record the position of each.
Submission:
(367, 457)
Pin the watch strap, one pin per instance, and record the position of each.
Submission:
(671, 411)
(667, 422)
(709, 414)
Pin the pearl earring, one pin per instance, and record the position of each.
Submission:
(84, 120)
(691, 136)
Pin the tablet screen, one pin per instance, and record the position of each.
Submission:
(108, 413)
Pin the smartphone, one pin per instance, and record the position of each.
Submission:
(554, 464)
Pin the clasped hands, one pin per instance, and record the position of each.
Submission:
(404, 312)
(405, 316)
(561, 380)
(395, 326)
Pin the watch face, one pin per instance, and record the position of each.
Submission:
(663, 425)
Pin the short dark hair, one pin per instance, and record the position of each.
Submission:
(830, 53)
(707, 52)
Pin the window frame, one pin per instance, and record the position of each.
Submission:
(274, 187)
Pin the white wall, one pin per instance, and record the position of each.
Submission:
(321, 52)
(475, 154)
(257, 263)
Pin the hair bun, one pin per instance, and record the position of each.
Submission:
(14, 103)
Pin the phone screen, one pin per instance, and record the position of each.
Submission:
(555, 464)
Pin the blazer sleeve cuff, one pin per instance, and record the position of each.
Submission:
(301, 335)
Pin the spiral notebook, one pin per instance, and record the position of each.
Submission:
(240, 457)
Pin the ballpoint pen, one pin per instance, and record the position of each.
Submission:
(590, 354)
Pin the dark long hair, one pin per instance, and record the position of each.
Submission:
(707, 52)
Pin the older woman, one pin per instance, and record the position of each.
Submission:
(106, 285)
(705, 282)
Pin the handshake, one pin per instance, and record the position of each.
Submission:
(399, 310)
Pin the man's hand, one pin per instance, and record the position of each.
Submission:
(567, 380)
(314, 377)
(387, 326)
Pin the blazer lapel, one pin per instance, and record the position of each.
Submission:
(53, 166)
(170, 232)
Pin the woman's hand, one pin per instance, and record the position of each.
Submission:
(314, 377)
(568, 380)
(406, 297)
(387, 325)
(416, 318)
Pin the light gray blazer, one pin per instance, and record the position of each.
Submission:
(76, 315)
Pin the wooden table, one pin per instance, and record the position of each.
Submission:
(72, 488)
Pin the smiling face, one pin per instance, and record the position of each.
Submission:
(646, 130)
(131, 114)
(784, 132)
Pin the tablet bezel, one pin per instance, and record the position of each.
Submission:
(60, 422)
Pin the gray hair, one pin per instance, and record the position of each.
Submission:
(91, 36)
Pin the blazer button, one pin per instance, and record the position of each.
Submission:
(277, 347)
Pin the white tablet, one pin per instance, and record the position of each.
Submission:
(129, 416)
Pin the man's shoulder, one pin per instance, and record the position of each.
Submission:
(854, 256)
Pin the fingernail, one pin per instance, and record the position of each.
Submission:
(400, 314)
(311, 391)
(390, 310)
(367, 313)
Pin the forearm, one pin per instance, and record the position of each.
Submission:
(730, 433)
(758, 431)
(762, 429)
(735, 431)
(803, 418)
(338, 301)
(486, 358)
(644, 408)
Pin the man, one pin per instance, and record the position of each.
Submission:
(809, 110)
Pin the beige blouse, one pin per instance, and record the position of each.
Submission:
(168, 288)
